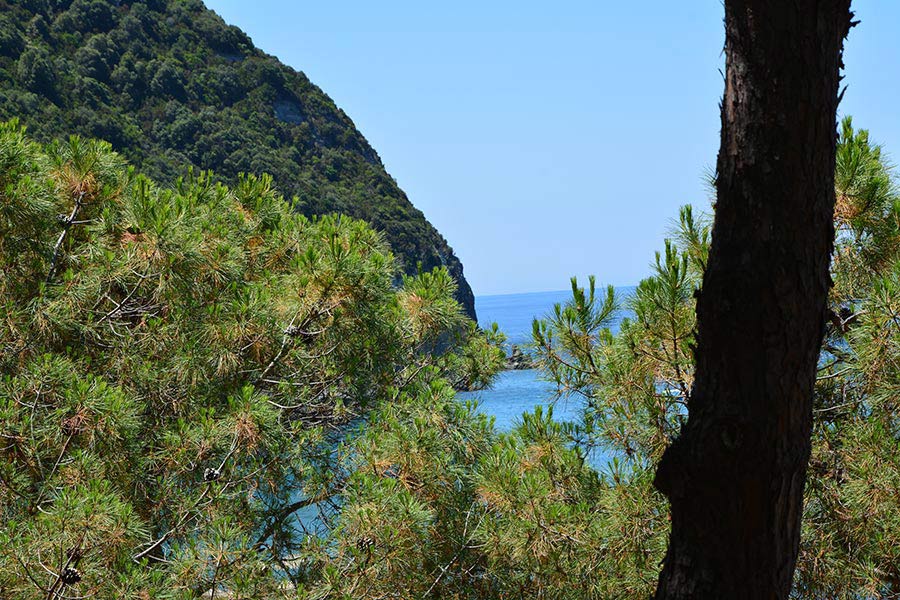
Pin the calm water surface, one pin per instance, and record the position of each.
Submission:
(516, 392)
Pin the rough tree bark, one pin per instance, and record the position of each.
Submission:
(736, 473)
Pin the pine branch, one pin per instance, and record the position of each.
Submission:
(287, 511)
(70, 220)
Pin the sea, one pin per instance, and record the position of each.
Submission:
(516, 392)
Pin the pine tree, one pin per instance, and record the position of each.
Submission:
(179, 369)
(735, 474)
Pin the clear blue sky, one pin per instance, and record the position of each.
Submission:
(543, 139)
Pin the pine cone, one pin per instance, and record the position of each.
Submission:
(70, 576)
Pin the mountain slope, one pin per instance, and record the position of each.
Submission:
(169, 83)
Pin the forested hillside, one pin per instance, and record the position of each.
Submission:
(169, 84)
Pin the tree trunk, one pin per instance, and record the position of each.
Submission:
(735, 475)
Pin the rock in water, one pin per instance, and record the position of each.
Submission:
(518, 360)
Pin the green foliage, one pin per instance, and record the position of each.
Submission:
(203, 392)
(637, 384)
(411, 511)
(169, 84)
(183, 370)
(36, 72)
(527, 518)
(555, 529)
(442, 507)
(867, 214)
(482, 354)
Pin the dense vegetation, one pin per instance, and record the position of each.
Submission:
(204, 393)
(184, 369)
(637, 385)
(169, 84)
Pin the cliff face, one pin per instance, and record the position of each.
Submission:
(169, 84)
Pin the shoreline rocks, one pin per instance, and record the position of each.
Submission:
(518, 360)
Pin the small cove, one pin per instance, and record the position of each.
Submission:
(516, 392)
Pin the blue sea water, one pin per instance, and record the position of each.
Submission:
(516, 392)
(515, 312)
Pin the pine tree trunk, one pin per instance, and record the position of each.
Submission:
(735, 475)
